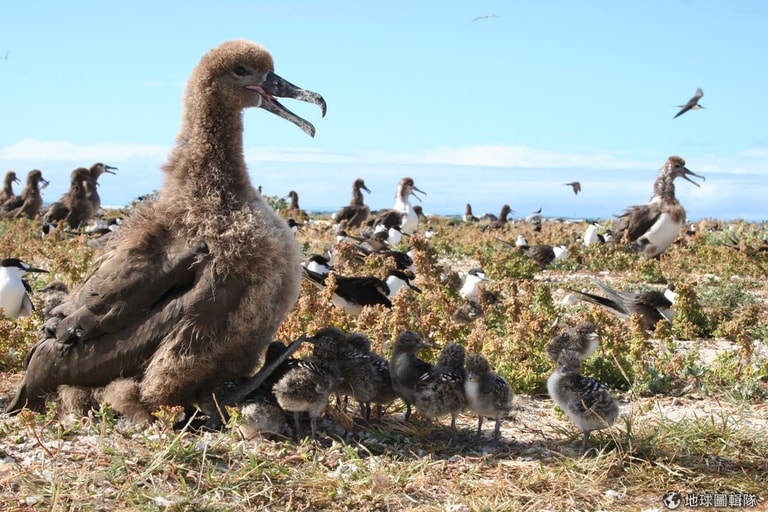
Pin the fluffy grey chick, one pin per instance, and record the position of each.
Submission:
(580, 338)
(488, 394)
(366, 374)
(585, 400)
(307, 385)
(405, 368)
(441, 391)
(53, 295)
(261, 415)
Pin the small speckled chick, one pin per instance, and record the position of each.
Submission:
(366, 374)
(261, 415)
(441, 391)
(405, 368)
(580, 338)
(488, 394)
(585, 400)
(308, 384)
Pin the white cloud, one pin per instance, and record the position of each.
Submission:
(36, 150)
(479, 156)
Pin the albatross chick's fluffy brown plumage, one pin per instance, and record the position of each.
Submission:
(196, 283)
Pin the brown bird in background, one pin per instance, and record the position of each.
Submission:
(575, 185)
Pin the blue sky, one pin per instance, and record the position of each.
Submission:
(504, 109)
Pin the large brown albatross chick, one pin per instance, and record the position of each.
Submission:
(196, 283)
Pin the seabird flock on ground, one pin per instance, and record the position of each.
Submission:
(178, 311)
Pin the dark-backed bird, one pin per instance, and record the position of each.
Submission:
(591, 235)
(14, 290)
(402, 214)
(353, 293)
(470, 289)
(195, 282)
(543, 254)
(575, 185)
(406, 368)
(28, 203)
(7, 192)
(586, 401)
(651, 228)
(356, 212)
(650, 305)
(441, 391)
(693, 103)
(581, 338)
(317, 267)
(381, 239)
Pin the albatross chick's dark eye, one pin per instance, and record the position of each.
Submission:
(241, 71)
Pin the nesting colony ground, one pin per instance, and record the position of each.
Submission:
(692, 394)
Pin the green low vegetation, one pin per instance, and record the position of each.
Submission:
(694, 415)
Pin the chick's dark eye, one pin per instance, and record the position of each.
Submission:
(241, 71)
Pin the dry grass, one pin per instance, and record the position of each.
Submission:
(694, 417)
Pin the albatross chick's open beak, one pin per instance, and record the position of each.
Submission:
(273, 85)
(687, 172)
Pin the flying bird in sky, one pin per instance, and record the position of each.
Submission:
(489, 16)
(693, 103)
(575, 185)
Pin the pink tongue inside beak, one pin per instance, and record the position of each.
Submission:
(261, 91)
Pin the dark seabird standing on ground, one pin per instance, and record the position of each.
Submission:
(7, 192)
(651, 228)
(693, 103)
(195, 283)
(28, 203)
(650, 305)
(586, 401)
(356, 212)
(575, 185)
(14, 291)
